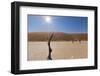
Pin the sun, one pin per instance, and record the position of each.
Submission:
(48, 19)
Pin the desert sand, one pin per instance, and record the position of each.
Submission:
(38, 50)
(58, 36)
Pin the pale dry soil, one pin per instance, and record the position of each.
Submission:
(60, 50)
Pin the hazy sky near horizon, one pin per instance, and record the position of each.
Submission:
(66, 24)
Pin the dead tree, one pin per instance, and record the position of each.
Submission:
(50, 49)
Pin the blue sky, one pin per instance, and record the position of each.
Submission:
(66, 24)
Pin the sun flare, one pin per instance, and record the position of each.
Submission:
(48, 19)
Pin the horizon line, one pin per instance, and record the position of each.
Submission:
(62, 32)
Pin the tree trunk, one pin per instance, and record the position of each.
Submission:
(50, 50)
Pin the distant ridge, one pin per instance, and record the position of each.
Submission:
(58, 36)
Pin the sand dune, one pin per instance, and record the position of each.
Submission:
(58, 36)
